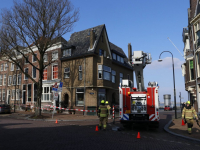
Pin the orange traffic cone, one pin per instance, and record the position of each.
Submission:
(97, 129)
(56, 121)
(183, 123)
(138, 135)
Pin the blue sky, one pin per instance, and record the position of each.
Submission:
(145, 24)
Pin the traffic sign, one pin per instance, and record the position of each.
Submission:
(55, 87)
(55, 95)
(60, 87)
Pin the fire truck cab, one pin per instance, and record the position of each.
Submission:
(139, 105)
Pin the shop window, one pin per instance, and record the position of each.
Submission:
(79, 97)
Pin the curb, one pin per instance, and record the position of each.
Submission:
(166, 128)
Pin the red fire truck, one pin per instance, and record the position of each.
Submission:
(139, 105)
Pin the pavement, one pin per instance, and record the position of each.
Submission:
(174, 126)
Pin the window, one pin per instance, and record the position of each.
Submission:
(19, 79)
(120, 77)
(9, 80)
(29, 92)
(113, 76)
(12, 67)
(80, 73)
(35, 92)
(118, 58)
(25, 76)
(106, 73)
(35, 58)
(3, 95)
(101, 95)
(1, 67)
(34, 72)
(54, 55)
(14, 79)
(122, 60)
(46, 94)
(45, 74)
(17, 94)
(66, 72)
(1, 79)
(26, 60)
(101, 52)
(191, 70)
(100, 76)
(55, 71)
(4, 79)
(5, 66)
(114, 56)
(17, 67)
(13, 94)
(45, 58)
(67, 52)
(79, 97)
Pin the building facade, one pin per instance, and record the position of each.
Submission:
(191, 39)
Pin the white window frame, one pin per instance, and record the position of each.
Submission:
(67, 52)
(100, 70)
(47, 93)
(4, 79)
(5, 66)
(25, 74)
(14, 77)
(1, 79)
(2, 67)
(35, 72)
(3, 94)
(55, 55)
(12, 67)
(9, 80)
(18, 79)
(17, 94)
(45, 58)
(33, 56)
(67, 71)
(13, 95)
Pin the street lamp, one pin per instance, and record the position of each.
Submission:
(159, 60)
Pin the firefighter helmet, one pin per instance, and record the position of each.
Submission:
(106, 102)
(102, 101)
(188, 102)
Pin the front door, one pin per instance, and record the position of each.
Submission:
(66, 101)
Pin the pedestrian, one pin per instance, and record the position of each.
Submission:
(188, 112)
(108, 107)
(102, 113)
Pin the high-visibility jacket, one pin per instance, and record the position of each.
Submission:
(188, 113)
(103, 111)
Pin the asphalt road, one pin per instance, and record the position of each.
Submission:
(25, 134)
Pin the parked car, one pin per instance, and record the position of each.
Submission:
(4, 108)
(167, 108)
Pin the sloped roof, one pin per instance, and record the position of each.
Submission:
(81, 40)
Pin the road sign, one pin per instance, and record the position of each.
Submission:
(55, 87)
(55, 95)
(60, 87)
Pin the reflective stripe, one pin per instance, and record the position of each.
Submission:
(183, 110)
(188, 111)
(103, 108)
(189, 117)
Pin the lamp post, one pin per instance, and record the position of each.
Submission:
(173, 79)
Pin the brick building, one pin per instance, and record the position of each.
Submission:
(92, 68)
(191, 39)
(89, 65)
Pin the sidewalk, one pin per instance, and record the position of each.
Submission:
(175, 127)
(56, 116)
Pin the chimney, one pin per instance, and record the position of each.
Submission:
(92, 38)
(129, 52)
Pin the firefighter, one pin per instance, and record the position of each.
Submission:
(102, 113)
(188, 112)
(108, 107)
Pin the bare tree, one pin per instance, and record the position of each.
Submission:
(35, 24)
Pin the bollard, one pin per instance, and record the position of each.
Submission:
(113, 114)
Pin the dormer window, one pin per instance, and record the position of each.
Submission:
(67, 52)
(114, 56)
(101, 52)
(122, 60)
